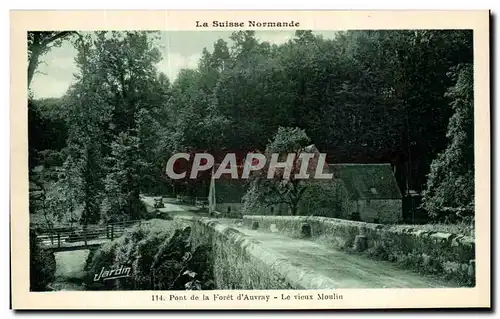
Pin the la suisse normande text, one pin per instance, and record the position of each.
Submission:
(252, 24)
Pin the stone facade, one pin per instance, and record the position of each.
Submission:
(385, 211)
(372, 192)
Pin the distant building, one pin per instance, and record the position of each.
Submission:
(373, 193)
(364, 192)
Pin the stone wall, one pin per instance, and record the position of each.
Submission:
(451, 256)
(241, 263)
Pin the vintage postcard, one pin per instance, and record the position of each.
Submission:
(250, 159)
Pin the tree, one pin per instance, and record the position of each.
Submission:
(122, 184)
(281, 189)
(362, 96)
(117, 94)
(325, 198)
(46, 134)
(88, 119)
(39, 43)
(450, 185)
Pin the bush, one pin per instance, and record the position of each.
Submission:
(160, 257)
(42, 265)
(450, 182)
(326, 199)
(378, 252)
(119, 208)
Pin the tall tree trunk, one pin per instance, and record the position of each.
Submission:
(41, 41)
(33, 63)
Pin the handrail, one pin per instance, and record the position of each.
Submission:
(80, 227)
(81, 234)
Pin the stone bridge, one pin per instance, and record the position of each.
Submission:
(278, 252)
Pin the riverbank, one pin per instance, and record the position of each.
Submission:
(70, 270)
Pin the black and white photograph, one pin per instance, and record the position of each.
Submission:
(220, 160)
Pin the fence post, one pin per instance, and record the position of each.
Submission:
(85, 235)
(58, 240)
(112, 232)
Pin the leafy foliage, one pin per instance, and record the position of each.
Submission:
(39, 43)
(160, 257)
(328, 199)
(122, 183)
(281, 189)
(42, 265)
(450, 186)
(362, 96)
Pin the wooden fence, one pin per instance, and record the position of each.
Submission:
(82, 237)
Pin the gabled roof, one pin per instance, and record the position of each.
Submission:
(367, 181)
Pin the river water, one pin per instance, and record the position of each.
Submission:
(70, 270)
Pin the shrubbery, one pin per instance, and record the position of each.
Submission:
(42, 265)
(449, 195)
(160, 257)
(327, 199)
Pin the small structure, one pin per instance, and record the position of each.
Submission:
(373, 193)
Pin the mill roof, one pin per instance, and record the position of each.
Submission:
(367, 181)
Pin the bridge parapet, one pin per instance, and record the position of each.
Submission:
(445, 254)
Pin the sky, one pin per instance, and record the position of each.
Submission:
(181, 49)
